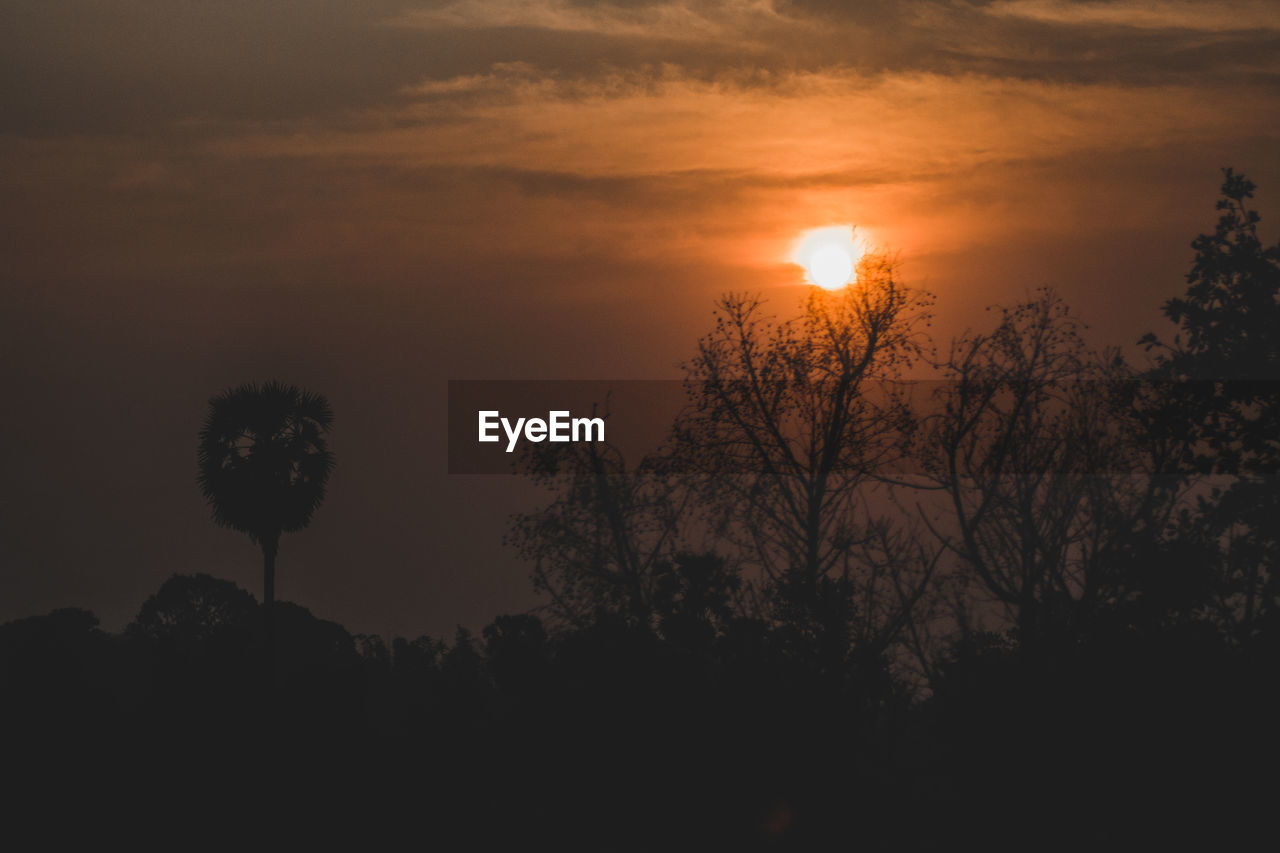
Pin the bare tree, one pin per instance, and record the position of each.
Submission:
(1047, 477)
(604, 538)
(787, 429)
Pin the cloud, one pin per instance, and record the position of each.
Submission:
(91, 66)
(107, 66)
(1203, 15)
(680, 21)
(713, 129)
(662, 121)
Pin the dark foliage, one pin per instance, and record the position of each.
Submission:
(263, 458)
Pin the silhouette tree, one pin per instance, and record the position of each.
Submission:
(598, 546)
(263, 466)
(788, 426)
(694, 599)
(52, 672)
(1046, 485)
(197, 639)
(193, 610)
(517, 653)
(1222, 379)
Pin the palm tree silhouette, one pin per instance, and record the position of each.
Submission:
(264, 464)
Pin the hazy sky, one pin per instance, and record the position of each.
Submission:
(370, 198)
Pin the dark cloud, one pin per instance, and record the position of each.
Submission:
(95, 66)
(116, 65)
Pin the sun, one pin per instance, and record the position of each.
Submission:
(830, 267)
(828, 255)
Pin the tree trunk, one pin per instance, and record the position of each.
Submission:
(270, 546)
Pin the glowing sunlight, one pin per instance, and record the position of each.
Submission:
(828, 255)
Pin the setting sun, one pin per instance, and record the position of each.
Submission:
(828, 255)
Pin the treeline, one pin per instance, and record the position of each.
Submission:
(1032, 604)
(1036, 497)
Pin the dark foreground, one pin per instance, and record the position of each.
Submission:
(606, 738)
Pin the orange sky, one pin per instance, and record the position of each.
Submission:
(373, 198)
